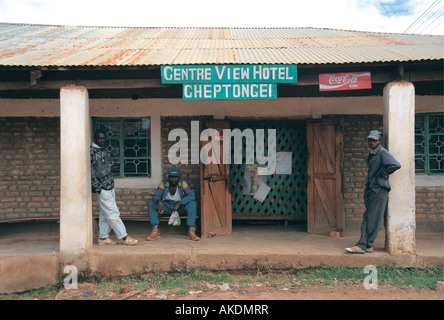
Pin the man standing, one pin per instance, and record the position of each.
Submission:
(102, 182)
(173, 194)
(380, 165)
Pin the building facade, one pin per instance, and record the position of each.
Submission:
(58, 84)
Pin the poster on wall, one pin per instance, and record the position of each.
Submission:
(345, 81)
(253, 178)
(283, 162)
(262, 192)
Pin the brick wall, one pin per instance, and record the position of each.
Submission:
(189, 172)
(356, 129)
(132, 203)
(429, 200)
(29, 168)
(30, 171)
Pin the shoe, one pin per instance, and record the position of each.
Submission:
(192, 234)
(155, 234)
(105, 242)
(355, 249)
(369, 250)
(130, 241)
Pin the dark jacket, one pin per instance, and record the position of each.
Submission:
(381, 160)
(101, 176)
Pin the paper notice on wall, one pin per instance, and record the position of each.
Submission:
(283, 162)
(262, 171)
(262, 192)
(253, 178)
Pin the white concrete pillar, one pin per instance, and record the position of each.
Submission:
(399, 139)
(75, 185)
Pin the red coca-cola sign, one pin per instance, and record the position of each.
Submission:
(345, 81)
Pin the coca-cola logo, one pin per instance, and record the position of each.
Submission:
(345, 81)
(348, 79)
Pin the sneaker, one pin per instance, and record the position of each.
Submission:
(192, 234)
(105, 242)
(369, 250)
(155, 234)
(355, 249)
(130, 241)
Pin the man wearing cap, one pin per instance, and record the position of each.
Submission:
(380, 165)
(173, 194)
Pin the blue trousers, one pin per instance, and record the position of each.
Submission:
(190, 209)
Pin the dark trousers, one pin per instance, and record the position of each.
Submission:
(375, 205)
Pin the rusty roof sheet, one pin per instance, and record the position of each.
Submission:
(43, 45)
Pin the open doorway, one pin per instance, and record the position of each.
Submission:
(285, 195)
(250, 188)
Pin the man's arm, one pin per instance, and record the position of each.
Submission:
(389, 165)
(159, 192)
(189, 194)
(95, 184)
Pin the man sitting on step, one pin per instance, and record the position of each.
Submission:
(173, 194)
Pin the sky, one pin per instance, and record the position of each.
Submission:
(392, 16)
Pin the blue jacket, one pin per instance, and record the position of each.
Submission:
(381, 160)
(183, 187)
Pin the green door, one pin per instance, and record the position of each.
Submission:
(287, 195)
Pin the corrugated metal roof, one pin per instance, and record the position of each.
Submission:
(41, 45)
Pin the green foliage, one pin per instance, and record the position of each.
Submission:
(181, 282)
(400, 277)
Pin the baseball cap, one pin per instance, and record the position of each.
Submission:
(173, 173)
(375, 135)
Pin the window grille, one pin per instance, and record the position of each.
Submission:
(128, 145)
(429, 143)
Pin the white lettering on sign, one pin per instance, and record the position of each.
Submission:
(259, 73)
(349, 78)
(191, 74)
(228, 74)
(345, 81)
(202, 82)
(228, 91)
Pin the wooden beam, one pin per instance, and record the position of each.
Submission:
(313, 80)
(35, 75)
(304, 80)
(88, 84)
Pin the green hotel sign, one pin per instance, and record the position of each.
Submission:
(229, 82)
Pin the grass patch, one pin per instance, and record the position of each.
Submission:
(183, 282)
(399, 277)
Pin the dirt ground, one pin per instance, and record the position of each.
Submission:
(88, 291)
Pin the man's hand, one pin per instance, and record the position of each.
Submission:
(176, 207)
(161, 208)
(380, 175)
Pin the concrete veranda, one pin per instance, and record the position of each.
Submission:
(30, 257)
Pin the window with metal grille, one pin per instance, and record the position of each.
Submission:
(429, 143)
(128, 143)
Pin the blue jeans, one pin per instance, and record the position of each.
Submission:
(190, 209)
